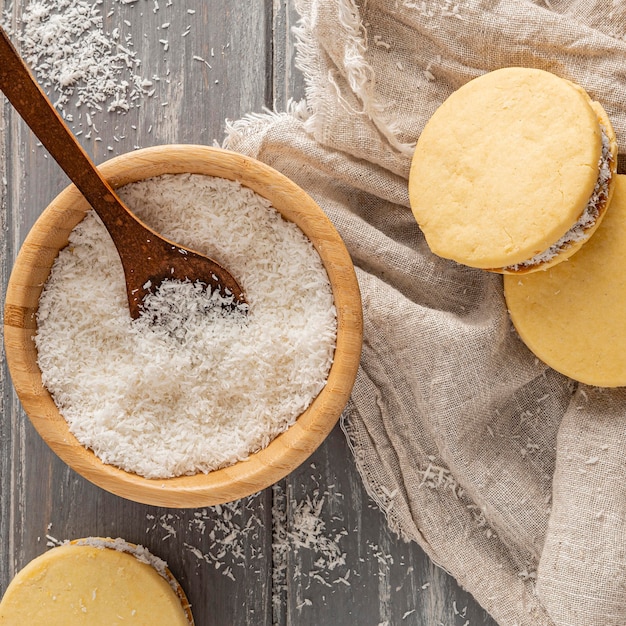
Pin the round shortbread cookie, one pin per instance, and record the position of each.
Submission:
(95, 582)
(507, 166)
(572, 316)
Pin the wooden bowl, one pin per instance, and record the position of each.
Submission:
(289, 449)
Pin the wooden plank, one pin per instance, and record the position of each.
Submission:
(352, 569)
(221, 557)
(7, 455)
(287, 81)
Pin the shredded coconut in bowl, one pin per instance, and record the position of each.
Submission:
(190, 386)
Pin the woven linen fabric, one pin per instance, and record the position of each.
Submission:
(509, 475)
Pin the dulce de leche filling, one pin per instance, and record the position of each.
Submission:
(595, 206)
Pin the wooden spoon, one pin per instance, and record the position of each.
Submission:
(147, 258)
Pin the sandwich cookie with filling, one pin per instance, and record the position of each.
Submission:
(95, 582)
(514, 172)
(573, 315)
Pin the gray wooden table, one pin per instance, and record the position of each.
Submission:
(311, 550)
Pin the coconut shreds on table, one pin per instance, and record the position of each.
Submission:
(190, 386)
(65, 43)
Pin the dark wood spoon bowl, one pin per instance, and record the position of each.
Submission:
(147, 258)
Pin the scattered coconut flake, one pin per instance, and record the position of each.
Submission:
(198, 58)
(378, 41)
(226, 534)
(527, 574)
(304, 529)
(65, 44)
(53, 541)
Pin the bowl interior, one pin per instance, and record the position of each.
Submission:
(288, 450)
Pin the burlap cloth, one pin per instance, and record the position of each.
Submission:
(509, 475)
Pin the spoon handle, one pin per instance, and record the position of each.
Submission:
(30, 101)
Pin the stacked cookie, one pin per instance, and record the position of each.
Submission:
(513, 174)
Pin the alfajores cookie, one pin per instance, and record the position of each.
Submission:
(95, 581)
(514, 172)
(572, 316)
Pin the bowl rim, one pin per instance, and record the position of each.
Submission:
(287, 450)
